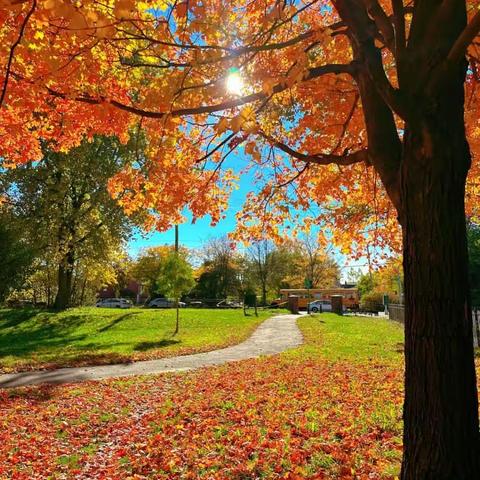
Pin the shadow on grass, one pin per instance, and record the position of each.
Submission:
(117, 320)
(143, 346)
(42, 334)
(18, 316)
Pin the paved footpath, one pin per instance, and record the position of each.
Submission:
(273, 336)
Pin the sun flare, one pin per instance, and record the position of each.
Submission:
(234, 83)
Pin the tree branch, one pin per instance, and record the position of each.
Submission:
(321, 158)
(363, 33)
(12, 50)
(313, 73)
(382, 22)
(399, 24)
(459, 48)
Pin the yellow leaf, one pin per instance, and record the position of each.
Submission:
(49, 4)
(222, 125)
(267, 86)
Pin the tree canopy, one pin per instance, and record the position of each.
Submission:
(299, 112)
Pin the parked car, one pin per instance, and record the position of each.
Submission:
(228, 304)
(164, 303)
(320, 306)
(160, 303)
(114, 303)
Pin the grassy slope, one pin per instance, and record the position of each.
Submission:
(33, 339)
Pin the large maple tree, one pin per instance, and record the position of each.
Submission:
(365, 108)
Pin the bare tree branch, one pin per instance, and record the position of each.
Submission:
(321, 158)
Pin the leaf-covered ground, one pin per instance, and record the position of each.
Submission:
(318, 412)
(32, 339)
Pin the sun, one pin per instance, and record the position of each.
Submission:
(234, 82)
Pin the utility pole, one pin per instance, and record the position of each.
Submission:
(177, 306)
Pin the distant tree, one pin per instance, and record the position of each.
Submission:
(262, 259)
(272, 267)
(321, 269)
(365, 284)
(66, 208)
(387, 279)
(176, 278)
(91, 273)
(147, 268)
(16, 255)
(285, 268)
(220, 273)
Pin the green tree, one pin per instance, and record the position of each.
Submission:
(16, 255)
(176, 278)
(387, 279)
(366, 284)
(66, 209)
(147, 268)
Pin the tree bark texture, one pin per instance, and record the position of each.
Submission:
(441, 429)
(65, 277)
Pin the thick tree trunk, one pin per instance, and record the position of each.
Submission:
(441, 431)
(64, 282)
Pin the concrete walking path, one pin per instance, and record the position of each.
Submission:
(274, 335)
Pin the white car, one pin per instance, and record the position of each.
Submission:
(227, 304)
(320, 306)
(114, 303)
(164, 303)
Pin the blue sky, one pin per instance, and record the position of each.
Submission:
(193, 236)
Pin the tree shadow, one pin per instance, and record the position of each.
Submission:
(143, 346)
(117, 320)
(44, 334)
(18, 316)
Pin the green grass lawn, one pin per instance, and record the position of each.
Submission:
(40, 339)
(351, 338)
